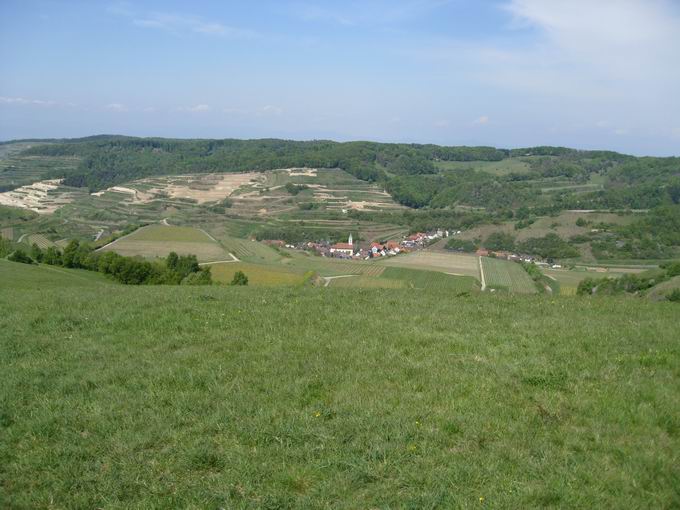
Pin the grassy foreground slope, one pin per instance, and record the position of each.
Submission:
(232, 397)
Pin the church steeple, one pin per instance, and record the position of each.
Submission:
(349, 241)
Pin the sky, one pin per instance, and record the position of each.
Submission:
(588, 74)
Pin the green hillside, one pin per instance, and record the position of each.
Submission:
(15, 276)
(225, 397)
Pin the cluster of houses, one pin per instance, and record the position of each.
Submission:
(514, 257)
(352, 250)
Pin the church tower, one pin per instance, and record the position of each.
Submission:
(349, 241)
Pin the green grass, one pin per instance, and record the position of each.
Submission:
(163, 233)
(224, 397)
(17, 276)
(258, 275)
(430, 279)
(504, 275)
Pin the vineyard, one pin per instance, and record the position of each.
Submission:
(508, 276)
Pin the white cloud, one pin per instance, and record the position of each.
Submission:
(25, 101)
(271, 110)
(179, 23)
(116, 107)
(480, 121)
(199, 108)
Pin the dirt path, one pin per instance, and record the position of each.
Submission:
(164, 221)
(328, 279)
(481, 272)
(211, 237)
(233, 259)
(21, 238)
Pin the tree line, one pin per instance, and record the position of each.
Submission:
(173, 270)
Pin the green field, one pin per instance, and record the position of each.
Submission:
(158, 240)
(431, 260)
(225, 397)
(509, 276)
(418, 279)
(258, 275)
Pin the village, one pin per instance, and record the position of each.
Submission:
(367, 251)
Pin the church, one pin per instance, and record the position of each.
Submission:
(344, 248)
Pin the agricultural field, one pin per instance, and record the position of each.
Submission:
(367, 282)
(434, 260)
(418, 279)
(569, 279)
(239, 397)
(563, 224)
(503, 167)
(508, 276)
(159, 240)
(18, 170)
(39, 239)
(250, 251)
(258, 274)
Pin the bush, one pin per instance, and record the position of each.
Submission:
(461, 245)
(239, 278)
(202, 277)
(500, 241)
(674, 296)
(20, 255)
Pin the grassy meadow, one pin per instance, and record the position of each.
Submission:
(301, 397)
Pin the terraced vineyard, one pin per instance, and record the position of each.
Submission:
(509, 276)
(18, 170)
(39, 239)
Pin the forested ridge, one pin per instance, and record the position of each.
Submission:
(416, 175)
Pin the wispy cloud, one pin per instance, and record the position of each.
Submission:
(26, 101)
(178, 23)
(355, 13)
(271, 110)
(116, 107)
(199, 108)
(480, 121)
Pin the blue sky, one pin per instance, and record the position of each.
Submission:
(580, 73)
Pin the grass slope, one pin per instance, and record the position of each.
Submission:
(230, 397)
(15, 276)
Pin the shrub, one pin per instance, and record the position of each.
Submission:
(674, 296)
(239, 278)
(202, 277)
(20, 255)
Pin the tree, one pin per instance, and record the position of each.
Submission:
(239, 278)
(69, 258)
(20, 255)
(36, 253)
(171, 260)
(500, 241)
(52, 256)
